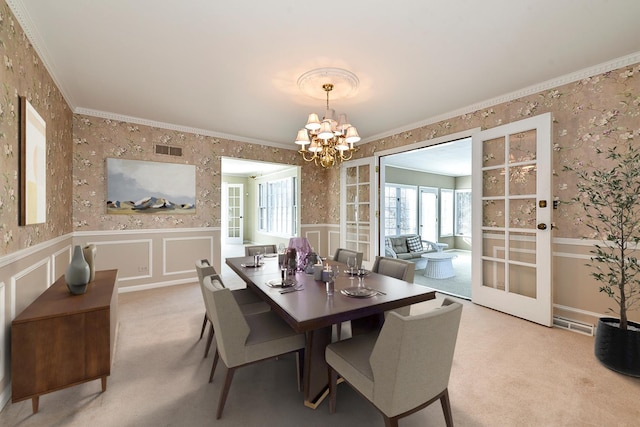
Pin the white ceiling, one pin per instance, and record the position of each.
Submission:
(229, 68)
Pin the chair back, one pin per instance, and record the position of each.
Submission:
(411, 360)
(231, 328)
(342, 255)
(260, 249)
(394, 267)
(204, 268)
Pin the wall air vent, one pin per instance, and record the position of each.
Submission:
(168, 150)
(572, 325)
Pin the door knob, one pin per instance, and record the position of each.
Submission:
(542, 226)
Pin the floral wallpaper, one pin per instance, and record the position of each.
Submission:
(595, 112)
(96, 139)
(22, 74)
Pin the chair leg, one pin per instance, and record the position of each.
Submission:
(213, 367)
(204, 325)
(209, 341)
(390, 422)
(333, 380)
(446, 407)
(300, 368)
(225, 391)
(339, 330)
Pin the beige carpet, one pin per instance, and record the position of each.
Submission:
(506, 372)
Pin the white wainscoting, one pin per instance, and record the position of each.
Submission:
(43, 265)
(186, 265)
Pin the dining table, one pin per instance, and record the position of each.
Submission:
(308, 308)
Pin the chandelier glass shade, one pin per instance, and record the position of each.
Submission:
(330, 140)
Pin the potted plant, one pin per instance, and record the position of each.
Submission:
(610, 196)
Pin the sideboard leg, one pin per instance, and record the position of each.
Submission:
(34, 403)
(104, 384)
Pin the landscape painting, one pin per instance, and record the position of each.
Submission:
(143, 187)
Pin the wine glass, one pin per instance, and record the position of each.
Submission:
(256, 258)
(351, 263)
(361, 273)
(329, 277)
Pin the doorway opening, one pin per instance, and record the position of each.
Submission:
(258, 206)
(434, 184)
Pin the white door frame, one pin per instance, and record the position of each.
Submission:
(381, 161)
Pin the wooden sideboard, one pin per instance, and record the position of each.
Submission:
(61, 340)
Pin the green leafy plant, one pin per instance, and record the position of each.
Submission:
(610, 196)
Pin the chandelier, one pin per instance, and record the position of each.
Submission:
(331, 140)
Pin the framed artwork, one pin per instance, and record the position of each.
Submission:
(144, 187)
(33, 165)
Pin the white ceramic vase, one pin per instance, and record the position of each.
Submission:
(89, 253)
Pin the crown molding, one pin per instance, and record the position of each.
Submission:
(179, 128)
(37, 41)
(549, 84)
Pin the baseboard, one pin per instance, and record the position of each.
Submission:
(5, 396)
(156, 285)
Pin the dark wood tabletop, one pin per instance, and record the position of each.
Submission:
(311, 308)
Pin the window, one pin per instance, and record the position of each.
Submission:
(463, 212)
(278, 207)
(446, 212)
(401, 210)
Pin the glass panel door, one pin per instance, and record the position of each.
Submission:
(512, 216)
(356, 225)
(235, 224)
(429, 214)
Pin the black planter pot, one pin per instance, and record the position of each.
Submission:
(616, 349)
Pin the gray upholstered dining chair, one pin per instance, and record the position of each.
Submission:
(398, 268)
(245, 339)
(394, 267)
(342, 255)
(260, 249)
(248, 300)
(405, 367)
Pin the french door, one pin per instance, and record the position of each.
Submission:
(234, 218)
(429, 214)
(511, 216)
(357, 225)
